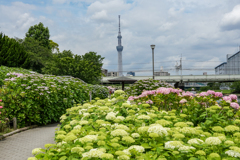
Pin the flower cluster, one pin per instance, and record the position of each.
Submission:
(113, 129)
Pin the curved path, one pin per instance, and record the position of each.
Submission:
(19, 146)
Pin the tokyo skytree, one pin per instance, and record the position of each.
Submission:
(119, 49)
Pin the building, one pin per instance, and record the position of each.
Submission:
(161, 73)
(131, 73)
(204, 73)
(104, 71)
(119, 49)
(232, 66)
(112, 74)
(220, 69)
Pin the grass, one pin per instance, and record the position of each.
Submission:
(223, 91)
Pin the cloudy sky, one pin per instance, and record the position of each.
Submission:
(202, 31)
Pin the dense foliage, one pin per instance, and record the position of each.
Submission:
(39, 55)
(147, 84)
(12, 54)
(40, 99)
(156, 125)
(235, 87)
(87, 66)
(40, 33)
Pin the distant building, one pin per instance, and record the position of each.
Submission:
(130, 73)
(112, 74)
(161, 73)
(232, 66)
(104, 71)
(221, 69)
(204, 73)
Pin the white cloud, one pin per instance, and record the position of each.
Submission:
(231, 20)
(188, 27)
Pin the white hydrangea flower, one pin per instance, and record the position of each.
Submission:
(73, 122)
(157, 128)
(86, 114)
(36, 151)
(83, 122)
(119, 132)
(93, 153)
(82, 111)
(137, 148)
(111, 116)
(213, 141)
(143, 117)
(88, 138)
(63, 117)
(233, 153)
(135, 135)
(121, 126)
(77, 127)
(185, 149)
(120, 118)
(126, 151)
(195, 141)
(173, 144)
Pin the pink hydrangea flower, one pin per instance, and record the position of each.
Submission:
(218, 94)
(1, 106)
(139, 103)
(149, 102)
(188, 94)
(130, 98)
(233, 96)
(210, 92)
(227, 98)
(203, 94)
(0, 100)
(183, 101)
(234, 105)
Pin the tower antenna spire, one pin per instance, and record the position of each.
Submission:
(119, 22)
(119, 49)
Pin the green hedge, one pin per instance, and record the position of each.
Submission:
(41, 99)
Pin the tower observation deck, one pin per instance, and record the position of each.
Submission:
(119, 49)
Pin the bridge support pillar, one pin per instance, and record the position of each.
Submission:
(179, 85)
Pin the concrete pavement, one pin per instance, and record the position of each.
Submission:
(19, 146)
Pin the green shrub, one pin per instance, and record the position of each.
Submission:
(147, 84)
(113, 129)
(41, 99)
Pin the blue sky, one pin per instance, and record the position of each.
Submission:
(202, 31)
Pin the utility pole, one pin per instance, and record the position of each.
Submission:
(181, 67)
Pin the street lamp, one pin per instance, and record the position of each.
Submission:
(153, 46)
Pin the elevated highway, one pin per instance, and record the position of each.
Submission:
(184, 78)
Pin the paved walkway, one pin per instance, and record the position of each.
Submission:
(19, 146)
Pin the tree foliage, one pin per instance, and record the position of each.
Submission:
(235, 87)
(39, 33)
(12, 54)
(39, 55)
(54, 46)
(86, 67)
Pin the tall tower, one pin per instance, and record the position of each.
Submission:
(119, 49)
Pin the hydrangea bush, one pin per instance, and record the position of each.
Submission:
(40, 99)
(115, 128)
(147, 84)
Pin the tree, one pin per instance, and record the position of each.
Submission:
(12, 54)
(53, 46)
(86, 67)
(39, 55)
(95, 64)
(39, 33)
(235, 87)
